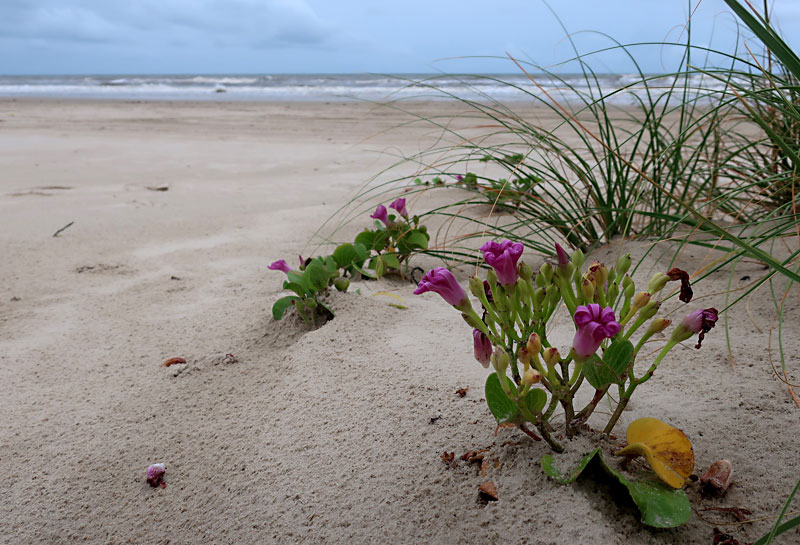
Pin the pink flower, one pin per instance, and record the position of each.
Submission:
(400, 206)
(503, 257)
(699, 321)
(381, 214)
(280, 265)
(442, 281)
(483, 347)
(563, 258)
(594, 325)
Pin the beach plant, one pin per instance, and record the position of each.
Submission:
(531, 377)
(395, 238)
(373, 254)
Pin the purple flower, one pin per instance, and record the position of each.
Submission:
(503, 257)
(563, 258)
(594, 325)
(381, 214)
(400, 206)
(442, 281)
(700, 321)
(483, 347)
(280, 265)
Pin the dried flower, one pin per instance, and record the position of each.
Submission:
(155, 475)
(442, 281)
(400, 206)
(699, 321)
(503, 257)
(686, 288)
(483, 347)
(280, 265)
(594, 325)
(381, 214)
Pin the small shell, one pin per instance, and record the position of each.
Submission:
(155, 475)
(718, 477)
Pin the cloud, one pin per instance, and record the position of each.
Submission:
(261, 23)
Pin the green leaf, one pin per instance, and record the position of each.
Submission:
(413, 240)
(560, 478)
(503, 409)
(535, 400)
(372, 240)
(318, 277)
(298, 278)
(362, 253)
(280, 306)
(600, 373)
(366, 238)
(295, 287)
(391, 261)
(377, 265)
(368, 273)
(619, 355)
(660, 505)
(345, 255)
(331, 267)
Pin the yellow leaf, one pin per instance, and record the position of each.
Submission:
(667, 449)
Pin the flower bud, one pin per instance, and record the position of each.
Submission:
(623, 264)
(551, 356)
(534, 344)
(613, 291)
(341, 283)
(310, 304)
(473, 320)
(626, 282)
(524, 356)
(658, 325)
(483, 348)
(587, 289)
(553, 294)
(525, 271)
(546, 275)
(640, 299)
(500, 361)
(600, 274)
(531, 377)
(578, 259)
(649, 310)
(523, 291)
(657, 283)
(538, 297)
(562, 256)
(476, 287)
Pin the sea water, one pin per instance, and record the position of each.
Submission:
(343, 87)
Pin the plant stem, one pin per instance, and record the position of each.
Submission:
(542, 426)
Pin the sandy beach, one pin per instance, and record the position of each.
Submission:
(271, 433)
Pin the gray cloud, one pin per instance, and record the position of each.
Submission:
(262, 23)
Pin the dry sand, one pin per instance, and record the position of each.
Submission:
(327, 436)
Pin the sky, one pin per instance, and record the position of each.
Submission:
(350, 36)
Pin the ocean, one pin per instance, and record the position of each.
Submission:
(329, 87)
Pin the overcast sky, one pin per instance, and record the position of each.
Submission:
(334, 36)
